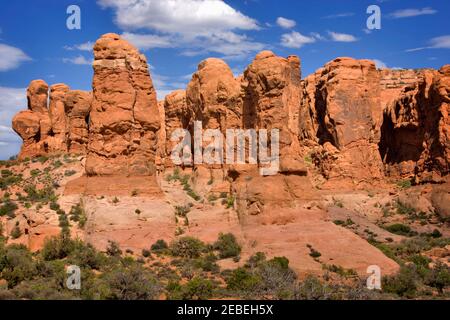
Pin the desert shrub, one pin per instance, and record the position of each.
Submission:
(207, 263)
(77, 214)
(311, 289)
(187, 247)
(132, 283)
(146, 253)
(182, 211)
(243, 280)
(255, 260)
(86, 256)
(115, 200)
(57, 248)
(69, 173)
(400, 229)
(404, 184)
(46, 194)
(54, 206)
(227, 246)
(404, 209)
(159, 246)
(314, 253)
(198, 289)
(8, 179)
(439, 277)
(113, 249)
(16, 265)
(16, 232)
(277, 279)
(404, 283)
(8, 208)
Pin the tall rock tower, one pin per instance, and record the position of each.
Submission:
(124, 120)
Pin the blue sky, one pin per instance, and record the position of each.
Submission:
(176, 35)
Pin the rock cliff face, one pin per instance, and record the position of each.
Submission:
(124, 120)
(341, 114)
(415, 134)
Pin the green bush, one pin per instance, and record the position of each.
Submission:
(16, 232)
(132, 283)
(227, 246)
(439, 277)
(187, 247)
(113, 249)
(16, 264)
(404, 184)
(198, 289)
(400, 229)
(159, 246)
(243, 280)
(8, 208)
(404, 284)
(69, 173)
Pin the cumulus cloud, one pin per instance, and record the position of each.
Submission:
(195, 26)
(12, 101)
(148, 41)
(286, 23)
(11, 57)
(408, 13)
(179, 16)
(295, 40)
(342, 37)
(78, 60)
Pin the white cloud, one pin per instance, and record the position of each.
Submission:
(11, 57)
(407, 13)
(12, 101)
(380, 64)
(442, 42)
(339, 15)
(179, 16)
(342, 37)
(148, 41)
(286, 23)
(87, 46)
(195, 26)
(295, 40)
(79, 60)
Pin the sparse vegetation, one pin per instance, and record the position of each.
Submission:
(227, 246)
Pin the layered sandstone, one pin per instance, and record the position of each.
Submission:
(124, 120)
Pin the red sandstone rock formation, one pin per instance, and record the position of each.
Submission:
(341, 112)
(272, 101)
(415, 134)
(124, 120)
(77, 109)
(51, 129)
(177, 116)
